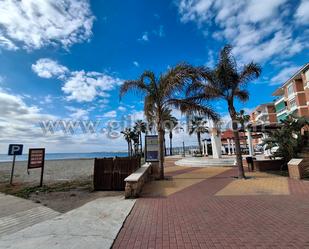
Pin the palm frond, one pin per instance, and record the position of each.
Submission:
(176, 78)
(249, 72)
(148, 75)
(242, 95)
(191, 108)
(194, 88)
(132, 85)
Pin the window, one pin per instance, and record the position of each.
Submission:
(293, 104)
(307, 75)
(290, 90)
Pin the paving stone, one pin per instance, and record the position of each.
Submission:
(196, 217)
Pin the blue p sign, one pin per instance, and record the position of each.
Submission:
(15, 149)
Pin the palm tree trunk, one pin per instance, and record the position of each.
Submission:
(141, 143)
(161, 149)
(128, 149)
(131, 149)
(171, 143)
(199, 141)
(164, 143)
(232, 111)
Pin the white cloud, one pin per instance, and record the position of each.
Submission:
(159, 32)
(110, 114)
(33, 24)
(144, 37)
(284, 75)
(122, 108)
(135, 63)
(19, 120)
(47, 68)
(80, 86)
(19, 123)
(301, 14)
(258, 30)
(77, 113)
(85, 86)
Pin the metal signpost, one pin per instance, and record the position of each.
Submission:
(36, 160)
(151, 148)
(14, 150)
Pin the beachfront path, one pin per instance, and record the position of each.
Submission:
(208, 208)
(92, 226)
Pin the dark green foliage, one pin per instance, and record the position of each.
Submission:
(288, 139)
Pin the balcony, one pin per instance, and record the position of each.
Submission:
(281, 111)
(262, 117)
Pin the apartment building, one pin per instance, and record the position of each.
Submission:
(264, 114)
(293, 95)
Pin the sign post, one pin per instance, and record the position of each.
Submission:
(14, 150)
(36, 160)
(151, 148)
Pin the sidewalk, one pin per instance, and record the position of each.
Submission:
(17, 214)
(92, 226)
(200, 208)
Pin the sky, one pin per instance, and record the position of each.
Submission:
(62, 61)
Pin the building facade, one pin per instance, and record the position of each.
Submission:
(264, 114)
(293, 95)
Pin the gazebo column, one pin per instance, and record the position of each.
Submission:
(250, 143)
(216, 143)
(206, 147)
(228, 146)
(233, 146)
(203, 148)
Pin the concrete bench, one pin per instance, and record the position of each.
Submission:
(136, 180)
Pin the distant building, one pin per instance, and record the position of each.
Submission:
(293, 95)
(264, 114)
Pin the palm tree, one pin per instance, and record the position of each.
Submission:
(140, 127)
(198, 126)
(161, 92)
(170, 126)
(127, 134)
(168, 120)
(229, 83)
(243, 119)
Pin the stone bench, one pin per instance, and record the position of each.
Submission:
(136, 180)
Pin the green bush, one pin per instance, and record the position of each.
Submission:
(288, 138)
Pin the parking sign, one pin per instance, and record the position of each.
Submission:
(15, 149)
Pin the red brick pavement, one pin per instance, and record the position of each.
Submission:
(195, 218)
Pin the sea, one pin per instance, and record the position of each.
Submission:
(53, 156)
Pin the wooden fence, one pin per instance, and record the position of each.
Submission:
(109, 173)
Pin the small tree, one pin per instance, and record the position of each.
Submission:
(127, 134)
(140, 127)
(198, 126)
(288, 140)
(243, 119)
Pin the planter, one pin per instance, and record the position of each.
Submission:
(268, 165)
(296, 169)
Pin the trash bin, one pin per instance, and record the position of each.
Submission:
(249, 160)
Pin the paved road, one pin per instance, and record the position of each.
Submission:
(201, 209)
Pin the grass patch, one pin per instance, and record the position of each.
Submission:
(25, 191)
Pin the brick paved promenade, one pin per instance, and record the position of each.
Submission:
(208, 208)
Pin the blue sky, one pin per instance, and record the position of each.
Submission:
(65, 60)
